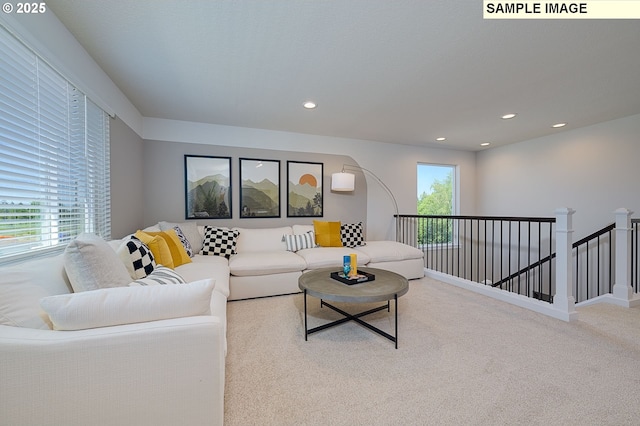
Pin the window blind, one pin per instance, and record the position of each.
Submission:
(54, 157)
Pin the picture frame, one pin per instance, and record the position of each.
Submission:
(259, 188)
(305, 189)
(207, 187)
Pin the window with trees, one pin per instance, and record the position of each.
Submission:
(436, 196)
(54, 157)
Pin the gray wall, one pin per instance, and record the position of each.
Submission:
(163, 196)
(394, 164)
(127, 184)
(593, 170)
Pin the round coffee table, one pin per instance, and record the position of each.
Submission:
(386, 286)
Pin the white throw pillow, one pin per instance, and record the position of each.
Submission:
(91, 264)
(127, 305)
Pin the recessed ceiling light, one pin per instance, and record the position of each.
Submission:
(485, 144)
(508, 116)
(441, 139)
(558, 125)
(309, 105)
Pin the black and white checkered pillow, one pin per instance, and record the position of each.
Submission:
(352, 234)
(160, 276)
(141, 258)
(219, 241)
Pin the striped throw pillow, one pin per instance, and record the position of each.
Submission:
(300, 241)
(160, 276)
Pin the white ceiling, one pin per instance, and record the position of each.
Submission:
(402, 71)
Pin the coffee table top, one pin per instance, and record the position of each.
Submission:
(318, 283)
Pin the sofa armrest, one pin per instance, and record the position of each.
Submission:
(161, 372)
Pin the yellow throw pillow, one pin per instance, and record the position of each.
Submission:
(158, 247)
(327, 233)
(178, 253)
(181, 251)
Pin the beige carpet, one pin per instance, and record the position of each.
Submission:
(463, 359)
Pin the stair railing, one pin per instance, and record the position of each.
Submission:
(516, 254)
(593, 261)
(507, 252)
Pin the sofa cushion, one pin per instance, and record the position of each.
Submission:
(327, 233)
(160, 276)
(189, 229)
(352, 234)
(19, 302)
(91, 264)
(300, 241)
(323, 257)
(301, 229)
(116, 306)
(260, 240)
(137, 257)
(388, 251)
(219, 241)
(265, 263)
(214, 267)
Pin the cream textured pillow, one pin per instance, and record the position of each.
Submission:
(90, 264)
(128, 305)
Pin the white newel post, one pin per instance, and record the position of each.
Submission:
(563, 300)
(622, 290)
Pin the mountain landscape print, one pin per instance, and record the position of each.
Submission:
(304, 189)
(208, 187)
(260, 188)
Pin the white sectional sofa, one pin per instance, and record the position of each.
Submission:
(168, 366)
(264, 267)
(158, 372)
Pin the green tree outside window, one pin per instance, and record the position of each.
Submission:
(435, 197)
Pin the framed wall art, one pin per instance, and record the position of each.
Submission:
(259, 188)
(304, 189)
(207, 187)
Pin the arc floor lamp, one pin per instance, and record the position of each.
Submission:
(344, 181)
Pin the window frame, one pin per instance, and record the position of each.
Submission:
(54, 157)
(454, 204)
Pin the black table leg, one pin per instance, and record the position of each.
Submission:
(305, 315)
(355, 317)
(395, 297)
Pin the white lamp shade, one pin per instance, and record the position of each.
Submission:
(343, 182)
